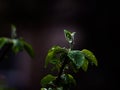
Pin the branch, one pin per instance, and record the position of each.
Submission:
(61, 70)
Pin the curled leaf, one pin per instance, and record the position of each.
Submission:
(28, 49)
(90, 56)
(47, 80)
(69, 36)
(85, 65)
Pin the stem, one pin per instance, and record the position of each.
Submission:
(63, 66)
(71, 45)
(61, 70)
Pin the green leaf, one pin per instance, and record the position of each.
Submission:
(17, 45)
(54, 54)
(47, 80)
(28, 48)
(77, 57)
(69, 36)
(85, 65)
(90, 56)
(3, 41)
(71, 79)
(59, 88)
(67, 81)
(51, 89)
(43, 89)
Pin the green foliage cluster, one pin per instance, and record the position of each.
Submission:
(14, 44)
(62, 59)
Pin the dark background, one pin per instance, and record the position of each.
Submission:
(41, 23)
